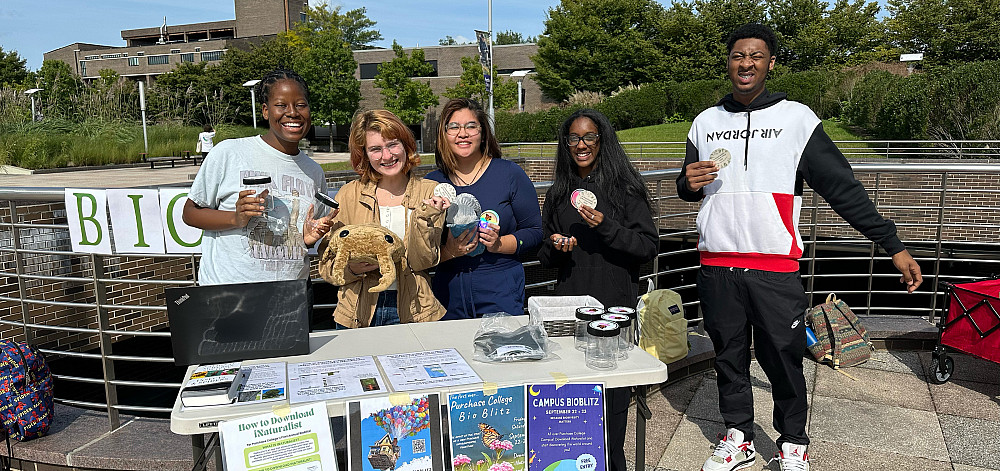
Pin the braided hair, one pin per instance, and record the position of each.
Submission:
(272, 77)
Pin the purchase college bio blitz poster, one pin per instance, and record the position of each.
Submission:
(566, 427)
(487, 430)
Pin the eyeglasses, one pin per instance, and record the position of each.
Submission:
(755, 57)
(471, 128)
(394, 147)
(590, 139)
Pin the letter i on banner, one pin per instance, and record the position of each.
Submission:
(135, 215)
(87, 217)
(179, 237)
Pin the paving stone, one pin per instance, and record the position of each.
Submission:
(895, 361)
(878, 427)
(705, 403)
(667, 406)
(971, 441)
(967, 399)
(875, 386)
(831, 456)
(965, 467)
(71, 428)
(808, 370)
(143, 443)
(695, 439)
(967, 368)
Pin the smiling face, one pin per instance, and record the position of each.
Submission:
(287, 114)
(464, 144)
(749, 63)
(584, 154)
(386, 156)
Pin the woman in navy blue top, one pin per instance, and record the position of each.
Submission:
(468, 157)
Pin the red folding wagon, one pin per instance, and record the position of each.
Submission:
(970, 324)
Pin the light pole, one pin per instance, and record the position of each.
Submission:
(519, 76)
(31, 92)
(253, 100)
(142, 107)
(490, 7)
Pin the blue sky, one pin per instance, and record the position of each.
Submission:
(33, 27)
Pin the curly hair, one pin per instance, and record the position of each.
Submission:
(754, 31)
(272, 77)
(390, 127)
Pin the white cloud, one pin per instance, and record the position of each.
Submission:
(418, 464)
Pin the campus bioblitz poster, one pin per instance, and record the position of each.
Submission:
(487, 430)
(566, 427)
(393, 433)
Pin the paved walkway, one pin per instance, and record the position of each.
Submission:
(889, 418)
(126, 177)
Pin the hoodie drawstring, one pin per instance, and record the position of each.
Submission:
(746, 147)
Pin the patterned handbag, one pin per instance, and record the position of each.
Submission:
(26, 406)
(841, 340)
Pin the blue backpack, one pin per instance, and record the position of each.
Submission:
(25, 391)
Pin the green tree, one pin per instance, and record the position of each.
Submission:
(225, 81)
(450, 41)
(354, 25)
(854, 34)
(585, 42)
(60, 87)
(407, 98)
(327, 64)
(512, 37)
(727, 15)
(691, 49)
(472, 84)
(801, 32)
(12, 69)
(946, 31)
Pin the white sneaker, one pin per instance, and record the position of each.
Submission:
(731, 453)
(792, 457)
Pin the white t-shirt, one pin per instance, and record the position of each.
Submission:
(205, 138)
(269, 248)
(394, 219)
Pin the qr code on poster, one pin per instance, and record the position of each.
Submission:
(419, 446)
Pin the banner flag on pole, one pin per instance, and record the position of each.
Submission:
(483, 38)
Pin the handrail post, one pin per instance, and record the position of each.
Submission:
(938, 248)
(656, 259)
(814, 236)
(871, 247)
(103, 325)
(22, 290)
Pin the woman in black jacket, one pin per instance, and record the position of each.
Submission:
(598, 248)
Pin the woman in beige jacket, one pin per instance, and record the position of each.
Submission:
(383, 153)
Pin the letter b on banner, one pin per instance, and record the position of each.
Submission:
(87, 217)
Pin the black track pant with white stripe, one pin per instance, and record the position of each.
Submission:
(767, 308)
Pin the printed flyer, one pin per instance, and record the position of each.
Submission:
(566, 427)
(405, 436)
(297, 441)
(487, 430)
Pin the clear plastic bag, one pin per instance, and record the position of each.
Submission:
(501, 338)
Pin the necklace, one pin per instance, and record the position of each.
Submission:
(482, 165)
(388, 194)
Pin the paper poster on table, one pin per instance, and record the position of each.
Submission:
(566, 427)
(331, 379)
(298, 440)
(265, 383)
(487, 428)
(395, 433)
(427, 369)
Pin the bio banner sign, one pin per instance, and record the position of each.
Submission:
(144, 221)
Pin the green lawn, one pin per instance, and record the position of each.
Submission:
(425, 159)
(677, 132)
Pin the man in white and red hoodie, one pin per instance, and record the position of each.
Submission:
(746, 160)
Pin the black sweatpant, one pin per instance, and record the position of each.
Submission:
(768, 308)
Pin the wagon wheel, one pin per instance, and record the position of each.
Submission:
(944, 366)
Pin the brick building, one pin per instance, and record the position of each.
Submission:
(152, 51)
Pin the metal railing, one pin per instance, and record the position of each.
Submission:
(78, 305)
(854, 150)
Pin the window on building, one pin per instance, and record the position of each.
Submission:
(140, 53)
(369, 70)
(211, 56)
(114, 56)
(189, 57)
(83, 68)
(197, 49)
(158, 60)
(90, 58)
(175, 51)
(302, 17)
(133, 61)
(433, 63)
